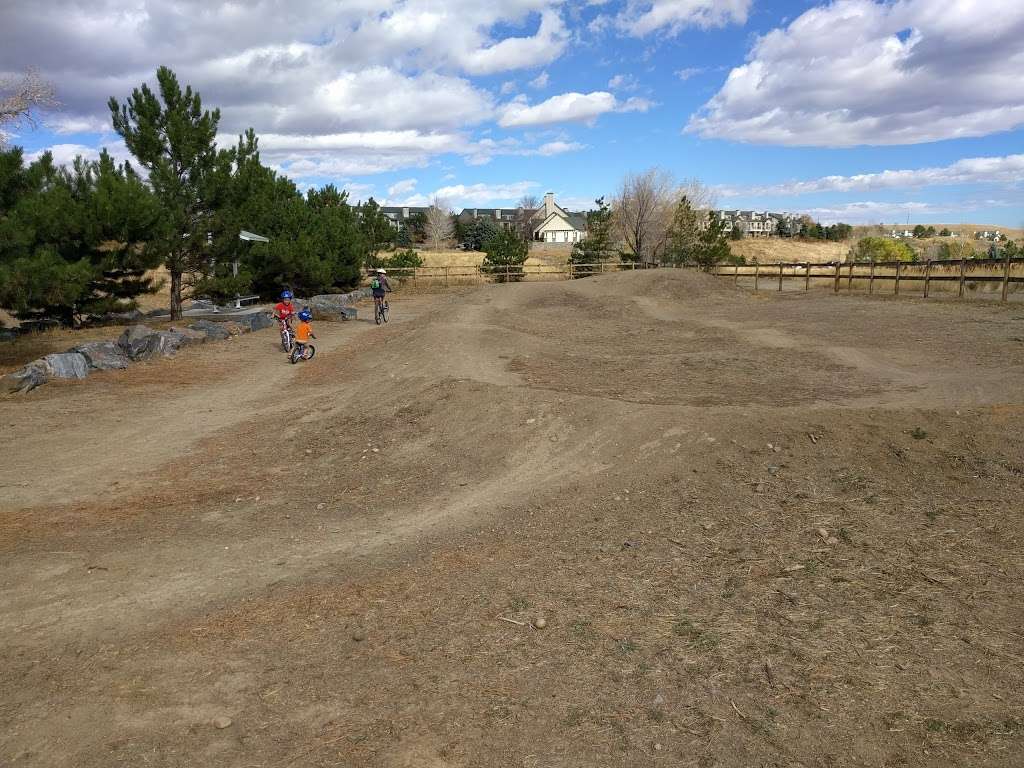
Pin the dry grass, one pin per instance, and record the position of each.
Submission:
(773, 250)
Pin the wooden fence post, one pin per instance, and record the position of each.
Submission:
(871, 279)
(927, 276)
(446, 277)
(780, 277)
(807, 277)
(735, 274)
(1006, 277)
(896, 289)
(757, 270)
(960, 289)
(836, 286)
(849, 278)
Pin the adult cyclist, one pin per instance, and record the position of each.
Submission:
(380, 286)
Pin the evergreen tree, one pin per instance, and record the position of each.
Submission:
(375, 228)
(506, 252)
(712, 248)
(684, 234)
(477, 234)
(173, 138)
(597, 247)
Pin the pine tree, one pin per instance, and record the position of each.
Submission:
(173, 138)
(684, 235)
(712, 248)
(597, 247)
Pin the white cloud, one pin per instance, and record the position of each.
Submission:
(872, 212)
(860, 72)
(688, 72)
(508, 88)
(971, 170)
(462, 195)
(519, 52)
(642, 17)
(540, 81)
(623, 83)
(403, 187)
(567, 107)
(65, 154)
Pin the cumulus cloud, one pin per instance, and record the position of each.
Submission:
(861, 72)
(519, 52)
(872, 212)
(540, 81)
(463, 195)
(643, 17)
(623, 83)
(566, 108)
(403, 187)
(971, 170)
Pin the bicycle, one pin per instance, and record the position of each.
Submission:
(380, 310)
(301, 351)
(287, 337)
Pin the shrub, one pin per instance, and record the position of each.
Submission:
(883, 249)
(506, 252)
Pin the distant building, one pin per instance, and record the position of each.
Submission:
(550, 223)
(759, 224)
(398, 216)
(901, 234)
(988, 235)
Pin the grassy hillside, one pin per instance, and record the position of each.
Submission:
(773, 250)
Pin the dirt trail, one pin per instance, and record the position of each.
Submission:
(324, 553)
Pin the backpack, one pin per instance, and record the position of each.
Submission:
(375, 283)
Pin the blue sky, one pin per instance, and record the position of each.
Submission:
(855, 111)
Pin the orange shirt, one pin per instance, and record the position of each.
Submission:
(303, 332)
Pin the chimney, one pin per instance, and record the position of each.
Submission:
(497, 214)
(549, 203)
(405, 213)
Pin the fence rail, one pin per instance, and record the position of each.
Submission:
(964, 272)
(508, 273)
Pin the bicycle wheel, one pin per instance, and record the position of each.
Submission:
(286, 341)
(310, 351)
(384, 311)
(295, 356)
(378, 313)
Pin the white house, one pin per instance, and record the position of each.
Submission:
(558, 225)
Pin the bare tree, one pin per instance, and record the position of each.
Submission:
(525, 209)
(439, 229)
(642, 212)
(21, 100)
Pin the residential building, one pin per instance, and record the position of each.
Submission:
(398, 216)
(557, 225)
(758, 224)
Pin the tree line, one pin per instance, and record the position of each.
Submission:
(80, 242)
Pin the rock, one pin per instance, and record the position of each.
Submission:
(212, 330)
(8, 334)
(773, 470)
(540, 623)
(823, 532)
(25, 379)
(257, 321)
(349, 313)
(222, 722)
(659, 700)
(333, 304)
(160, 344)
(190, 336)
(66, 365)
(102, 355)
(831, 541)
(235, 329)
(135, 340)
(359, 635)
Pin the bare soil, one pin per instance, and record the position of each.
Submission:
(761, 530)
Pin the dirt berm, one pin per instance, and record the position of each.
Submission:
(638, 519)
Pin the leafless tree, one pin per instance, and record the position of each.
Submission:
(439, 228)
(22, 98)
(642, 212)
(525, 209)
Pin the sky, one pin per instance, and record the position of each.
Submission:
(855, 110)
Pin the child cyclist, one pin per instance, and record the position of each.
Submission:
(304, 331)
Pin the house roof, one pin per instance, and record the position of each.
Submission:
(395, 211)
(506, 213)
(577, 221)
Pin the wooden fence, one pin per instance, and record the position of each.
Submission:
(964, 273)
(446, 276)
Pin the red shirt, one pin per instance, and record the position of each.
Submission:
(284, 309)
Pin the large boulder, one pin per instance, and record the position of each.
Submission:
(66, 365)
(135, 340)
(25, 379)
(257, 321)
(189, 336)
(161, 344)
(213, 331)
(103, 355)
(333, 304)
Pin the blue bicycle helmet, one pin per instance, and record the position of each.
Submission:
(305, 315)
(286, 294)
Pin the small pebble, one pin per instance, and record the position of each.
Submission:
(321, 505)
(831, 541)
(540, 623)
(220, 723)
(359, 636)
(657, 747)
